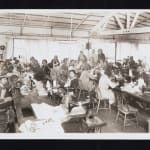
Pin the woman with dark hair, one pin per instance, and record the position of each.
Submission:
(46, 70)
(72, 81)
(55, 61)
(34, 65)
(9, 66)
(45, 67)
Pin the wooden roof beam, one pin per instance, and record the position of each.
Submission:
(106, 22)
(127, 31)
(128, 21)
(83, 20)
(101, 22)
(134, 20)
(119, 22)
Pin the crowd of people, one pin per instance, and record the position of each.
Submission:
(93, 74)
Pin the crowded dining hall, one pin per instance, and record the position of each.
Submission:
(74, 71)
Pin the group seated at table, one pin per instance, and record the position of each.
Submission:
(70, 82)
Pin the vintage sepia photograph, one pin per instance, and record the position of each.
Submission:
(74, 72)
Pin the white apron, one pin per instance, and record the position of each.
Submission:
(105, 92)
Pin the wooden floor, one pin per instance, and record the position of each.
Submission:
(74, 126)
(111, 127)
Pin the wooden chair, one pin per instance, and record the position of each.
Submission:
(81, 92)
(104, 101)
(127, 112)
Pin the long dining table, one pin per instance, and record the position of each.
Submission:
(142, 99)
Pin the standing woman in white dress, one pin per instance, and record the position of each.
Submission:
(105, 84)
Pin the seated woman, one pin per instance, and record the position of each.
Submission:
(72, 82)
(34, 65)
(105, 85)
(87, 80)
(62, 78)
(5, 94)
(6, 103)
(70, 100)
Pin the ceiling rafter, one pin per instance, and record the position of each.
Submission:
(58, 22)
(119, 22)
(127, 20)
(99, 25)
(102, 23)
(106, 22)
(134, 20)
(127, 31)
(82, 21)
(59, 17)
(141, 20)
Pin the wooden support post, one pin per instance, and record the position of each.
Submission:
(13, 49)
(71, 28)
(115, 52)
(128, 21)
(22, 26)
